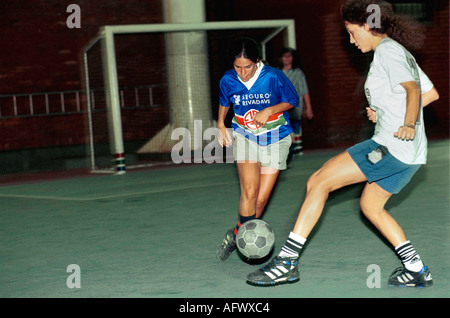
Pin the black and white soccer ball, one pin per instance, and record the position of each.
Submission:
(255, 239)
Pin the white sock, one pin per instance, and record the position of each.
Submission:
(410, 258)
(293, 246)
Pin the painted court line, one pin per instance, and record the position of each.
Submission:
(114, 196)
(129, 194)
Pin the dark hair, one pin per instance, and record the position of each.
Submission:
(246, 48)
(295, 56)
(402, 29)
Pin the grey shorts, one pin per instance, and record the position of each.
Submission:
(274, 155)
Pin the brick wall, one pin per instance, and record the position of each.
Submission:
(38, 53)
(335, 69)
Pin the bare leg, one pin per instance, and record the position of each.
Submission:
(373, 200)
(336, 173)
(268, 178)
(249, 177)
(256, 186)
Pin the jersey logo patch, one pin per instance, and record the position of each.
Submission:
(248, 120)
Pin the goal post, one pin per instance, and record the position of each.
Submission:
(118, 80)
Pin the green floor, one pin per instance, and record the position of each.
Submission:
(153, 233)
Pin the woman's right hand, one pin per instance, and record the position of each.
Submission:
(224, 136)
(371, 114)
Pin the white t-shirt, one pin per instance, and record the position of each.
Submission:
(393, 64)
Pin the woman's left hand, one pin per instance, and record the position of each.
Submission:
(261, 117)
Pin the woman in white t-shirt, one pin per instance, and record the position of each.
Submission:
(291, 68)
(396, 89)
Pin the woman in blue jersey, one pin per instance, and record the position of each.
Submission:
(261, 96)
(396, 89)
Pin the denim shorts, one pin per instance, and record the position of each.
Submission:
(389, 173)
(273, 155)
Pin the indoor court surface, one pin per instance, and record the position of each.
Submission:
(153, 234)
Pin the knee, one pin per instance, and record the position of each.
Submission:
(369, 208)
(316, 183)
(311, 182)
(363, 206)
(249, 193)
(261, 203)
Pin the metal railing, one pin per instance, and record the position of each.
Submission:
(40, 104)
(71, 102)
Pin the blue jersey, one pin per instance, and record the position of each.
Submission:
(271, 88)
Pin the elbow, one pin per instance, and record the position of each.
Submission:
(289, 105)
(435, 95)
(430, 97)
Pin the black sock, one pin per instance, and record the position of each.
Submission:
(242, 220)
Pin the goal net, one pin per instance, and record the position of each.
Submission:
(152, 90)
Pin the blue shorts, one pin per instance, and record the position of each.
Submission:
(389, 173)
(296, 125)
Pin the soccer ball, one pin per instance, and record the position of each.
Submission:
(255, 239)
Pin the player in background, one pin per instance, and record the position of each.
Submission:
(291, 68)
(261, 96)
(396, 89)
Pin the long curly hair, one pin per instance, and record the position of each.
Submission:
(400, 28)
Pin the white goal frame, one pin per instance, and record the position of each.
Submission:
(110, 77)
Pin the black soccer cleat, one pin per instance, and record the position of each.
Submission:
(227, 246)
(401, 277)
(281, 270)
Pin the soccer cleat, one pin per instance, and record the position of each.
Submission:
(401, 277)
(281, 270)
(227, 246)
